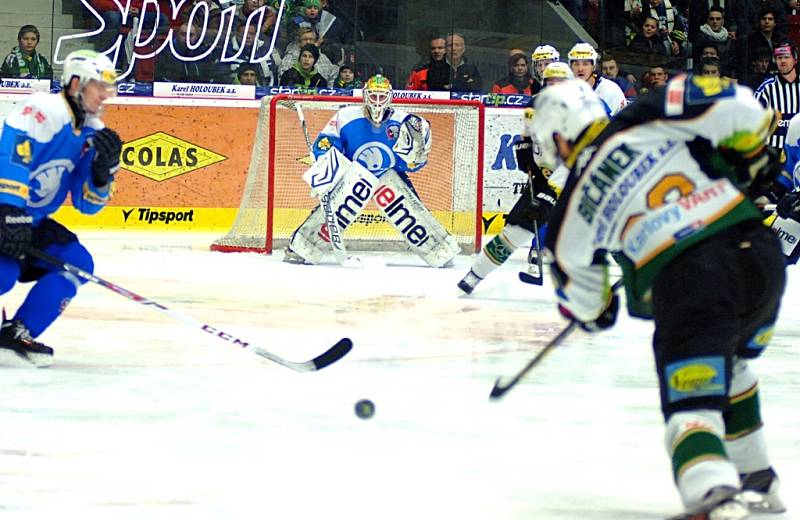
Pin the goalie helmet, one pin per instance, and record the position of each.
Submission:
(566, 109)
(541, 57)
(582, 51)
(377, 95)
(88, 66)
(555, 72)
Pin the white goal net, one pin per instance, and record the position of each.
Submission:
(276, 200)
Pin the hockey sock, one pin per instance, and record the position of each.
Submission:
(46, 300)
(744, 435)
(699, 461)
(500, 248)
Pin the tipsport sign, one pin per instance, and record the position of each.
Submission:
(145, 36)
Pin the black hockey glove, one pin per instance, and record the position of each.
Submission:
(775, 192)
(523, 151)
(107, 149)
(542, 204)
(16, 231)
(756, 175)
(789, 206)
(606, 320)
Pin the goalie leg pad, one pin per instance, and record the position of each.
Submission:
(406, 212)
(348, 198)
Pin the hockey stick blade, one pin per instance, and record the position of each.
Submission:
(330, 356)
(529, 278)
(500, 389)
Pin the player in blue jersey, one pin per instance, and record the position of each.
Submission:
(366, 153)
(52, 146)
(785, 221)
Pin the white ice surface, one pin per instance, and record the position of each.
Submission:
(143, 417)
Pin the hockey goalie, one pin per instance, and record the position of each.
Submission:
(367, 153)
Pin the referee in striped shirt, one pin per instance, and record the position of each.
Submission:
(782, 90)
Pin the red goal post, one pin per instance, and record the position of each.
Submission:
(276, 200)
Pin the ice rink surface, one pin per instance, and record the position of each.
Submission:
(143, 417)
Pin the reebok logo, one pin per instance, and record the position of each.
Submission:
(150, 216)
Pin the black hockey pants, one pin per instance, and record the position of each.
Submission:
(715, 301)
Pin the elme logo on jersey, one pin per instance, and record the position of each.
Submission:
(150, 216)
(396, 208)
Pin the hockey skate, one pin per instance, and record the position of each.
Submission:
(293, 258)
(720, 503)
(468, 283)
(760, 492)
(15, 337)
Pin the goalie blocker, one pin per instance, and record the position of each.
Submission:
(350, 187)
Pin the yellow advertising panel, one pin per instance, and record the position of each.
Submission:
(183, 166)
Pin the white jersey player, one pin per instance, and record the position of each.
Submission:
(583, 60)
(542, 56)
(366, 153)
(664, 187)
(530, 213)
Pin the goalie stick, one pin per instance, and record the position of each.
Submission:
(339, 251)
(500, 388)
(330, 356)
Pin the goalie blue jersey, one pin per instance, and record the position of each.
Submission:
(43, 158)
(353, 134)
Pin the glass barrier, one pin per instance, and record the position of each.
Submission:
(464, 47)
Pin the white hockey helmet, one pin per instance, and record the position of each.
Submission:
(582, 51)
(556, 71)
(89, 65)
(567, 109)
(541, 57)
(377, 95)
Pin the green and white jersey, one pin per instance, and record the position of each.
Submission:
(651, 184)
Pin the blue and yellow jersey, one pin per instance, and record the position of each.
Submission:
(44, 157)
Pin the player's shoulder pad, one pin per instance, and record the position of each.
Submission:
(686, 95)
(704, 90)
(41, 116)
(399, 115)
(528, 113)
(348, 114)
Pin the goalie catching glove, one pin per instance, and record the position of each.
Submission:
(414, 142)
(107, 149)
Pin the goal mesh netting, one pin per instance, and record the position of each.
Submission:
(276, 200)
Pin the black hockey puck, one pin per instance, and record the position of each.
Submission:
(365, 409)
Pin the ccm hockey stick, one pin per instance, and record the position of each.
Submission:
(330, 356)
(339, 251)
(500, 388)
